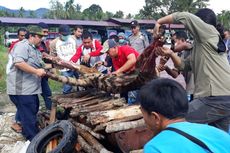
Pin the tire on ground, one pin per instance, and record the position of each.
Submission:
(63, 129)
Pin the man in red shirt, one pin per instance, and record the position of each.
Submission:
(89, 48)
(21, 36)
(89, 53)
(123, 57)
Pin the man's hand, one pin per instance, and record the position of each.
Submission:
(86, 58)
(156, 30)
(161, 67)
(98, 64)
(40, 72)
(163, 51)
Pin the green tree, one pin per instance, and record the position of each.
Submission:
(119, 14)
(224, 18)
(72, 11)
(32, 14)
(56, 11)
(158, 8)
(21, 12)
(129, 16)
(94, 12)
(108, 15)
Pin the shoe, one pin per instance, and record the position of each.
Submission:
(16, 127)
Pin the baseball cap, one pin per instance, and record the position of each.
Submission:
(110, 43)
(134, 23)
(43, 25)
(64, 30)
(35, 30)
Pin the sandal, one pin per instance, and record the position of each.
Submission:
(16, 127)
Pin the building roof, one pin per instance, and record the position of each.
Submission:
(11, 20)
(143, 22)
(112, 22)
(127, 21)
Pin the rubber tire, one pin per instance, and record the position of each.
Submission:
(62, 128)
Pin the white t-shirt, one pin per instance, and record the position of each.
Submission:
(66, 49)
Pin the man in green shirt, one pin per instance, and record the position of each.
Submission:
(208, 63)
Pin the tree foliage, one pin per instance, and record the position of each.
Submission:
(21, 12)
(224, 18)
(119, 14)
(158, 8)
(94, 12)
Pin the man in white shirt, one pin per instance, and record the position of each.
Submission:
(64, 47)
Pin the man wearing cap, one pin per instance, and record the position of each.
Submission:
(138, 40)
(64, 47)
(43, 47)
(123, 57)
(24, 80)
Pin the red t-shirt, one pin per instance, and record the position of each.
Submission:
(12, 45)
(123, 53)
(96, 51)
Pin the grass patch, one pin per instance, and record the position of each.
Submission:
(55, 86)
(3, 62)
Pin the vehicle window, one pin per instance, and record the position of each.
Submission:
(14, 36)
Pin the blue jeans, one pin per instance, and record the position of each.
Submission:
(67, 88)
(133, 97)
(27, 109)
(46, 93)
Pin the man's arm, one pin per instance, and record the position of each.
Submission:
(172, 72)
(182, 46)
(163, 20)
(97, 52)
(29, 69)
(129, 63)
(164, 51)
(98, 47)
(77, 55)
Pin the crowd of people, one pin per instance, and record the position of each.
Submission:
(164, 103)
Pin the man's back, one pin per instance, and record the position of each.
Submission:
(167, 141)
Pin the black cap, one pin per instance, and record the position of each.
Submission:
(43, 25)
(64, 30)
(134, 23)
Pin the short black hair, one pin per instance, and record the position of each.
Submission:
(86, 34)
(21, 29)
(166, 97)
(78, 27)
(181, 35)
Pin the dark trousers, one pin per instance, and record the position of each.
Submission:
(214, 110)
(46, 93)
(27, 108)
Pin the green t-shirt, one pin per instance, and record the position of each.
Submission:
(211, 69)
